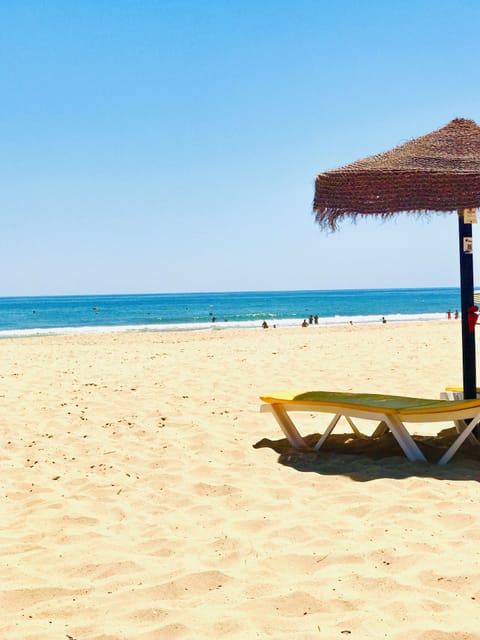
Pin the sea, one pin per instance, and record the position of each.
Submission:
(28, 316)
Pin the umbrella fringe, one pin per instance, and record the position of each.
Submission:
(329, 218)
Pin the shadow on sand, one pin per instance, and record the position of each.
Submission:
(373, 458)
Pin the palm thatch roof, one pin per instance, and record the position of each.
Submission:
(439, 171)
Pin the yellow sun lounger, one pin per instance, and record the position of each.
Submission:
(393, 411)
(455, 393)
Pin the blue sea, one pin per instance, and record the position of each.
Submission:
(216, 311)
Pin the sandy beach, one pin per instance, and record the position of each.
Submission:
(143, 495)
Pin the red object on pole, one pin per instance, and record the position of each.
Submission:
(472, 318)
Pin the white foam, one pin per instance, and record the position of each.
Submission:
(220, 325)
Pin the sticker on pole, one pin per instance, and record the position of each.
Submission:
(470, 216)
(467, 245)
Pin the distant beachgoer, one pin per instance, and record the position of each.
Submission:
(383, 320)
(264, 324)
(304, 323)
(214, 319)
(456, 315)
(310, 319)
(449, 314)
(315, 319)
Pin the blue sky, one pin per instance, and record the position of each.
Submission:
(162, 146)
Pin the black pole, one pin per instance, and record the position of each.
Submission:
(466, 294)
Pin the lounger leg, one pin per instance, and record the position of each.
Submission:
(328, 431)
(404, 439)
(460, 425)
(380, 431)
(459, 441)
(355, 429)
(287, 426)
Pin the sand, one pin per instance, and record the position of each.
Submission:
(143, 495)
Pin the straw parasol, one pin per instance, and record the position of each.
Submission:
(437, 172)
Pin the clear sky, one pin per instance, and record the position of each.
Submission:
(172, 145)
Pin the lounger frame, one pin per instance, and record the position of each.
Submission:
(395, 421)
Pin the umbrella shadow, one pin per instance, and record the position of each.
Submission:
(381, 457)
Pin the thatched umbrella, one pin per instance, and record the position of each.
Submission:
(436, 172)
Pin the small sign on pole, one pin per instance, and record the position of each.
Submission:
(467, 245)
(470, 216)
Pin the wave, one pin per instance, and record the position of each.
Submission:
(219, 325)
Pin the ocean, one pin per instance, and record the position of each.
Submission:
(23, 316)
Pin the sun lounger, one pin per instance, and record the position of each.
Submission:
(455, 393)
(392, 411)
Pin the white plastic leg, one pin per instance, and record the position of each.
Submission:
(451, 451)
(404, 439)
(328, 431)
(287, 426)
(355, 429)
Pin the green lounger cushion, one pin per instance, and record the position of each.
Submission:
(370, 401)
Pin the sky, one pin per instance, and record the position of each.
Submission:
(152, 146)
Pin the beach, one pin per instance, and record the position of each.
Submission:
(144, 496)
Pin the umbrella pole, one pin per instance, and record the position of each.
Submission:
(466, 295)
